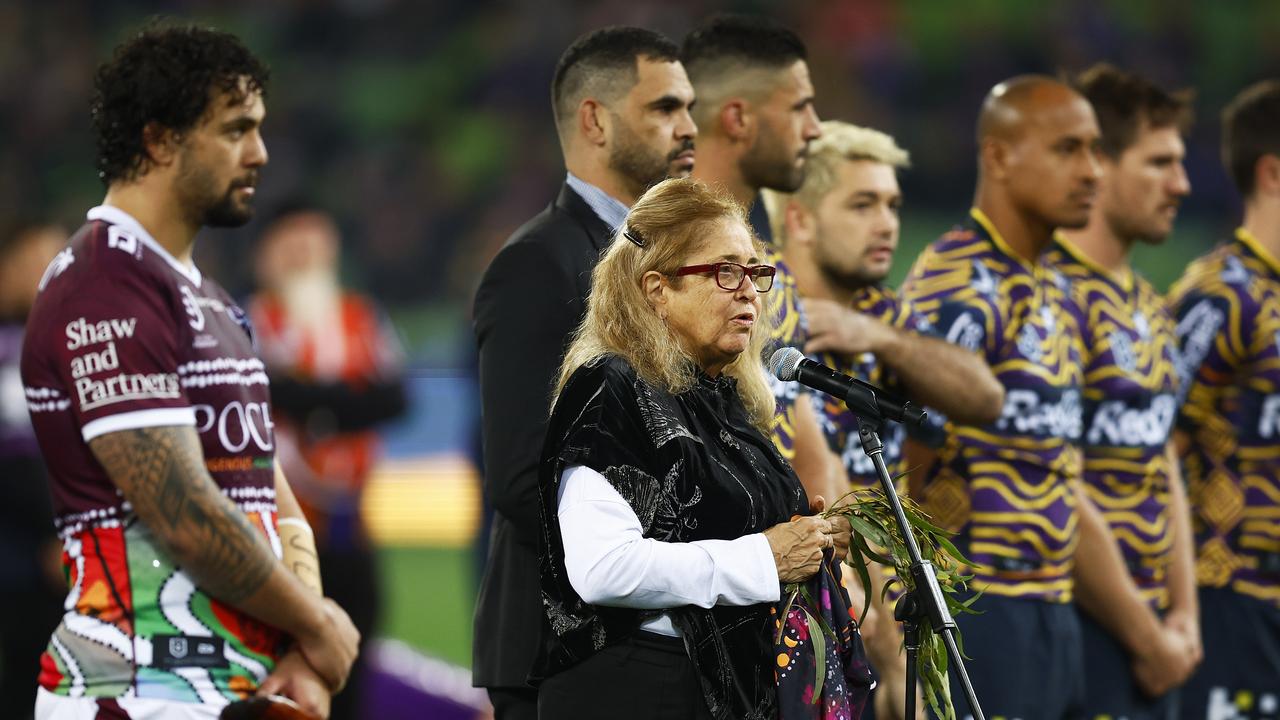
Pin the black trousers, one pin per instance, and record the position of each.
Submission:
(514, 703)
(645, 677)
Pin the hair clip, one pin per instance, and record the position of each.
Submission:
(634, 237)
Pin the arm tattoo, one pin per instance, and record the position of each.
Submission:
(162, 474)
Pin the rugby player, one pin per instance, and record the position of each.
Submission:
(154, 417)
(1133, 657)
(1227, 308)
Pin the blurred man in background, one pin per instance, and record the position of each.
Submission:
(756, 118)
(838, 234)
(1011, 487)
(1227, 307)
(31, 584)
(621, 101)
(337, 371)
(1129, 351)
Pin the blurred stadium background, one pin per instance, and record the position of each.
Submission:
(424, 126)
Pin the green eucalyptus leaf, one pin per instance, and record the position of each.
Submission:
(818, 637)
(792, 590)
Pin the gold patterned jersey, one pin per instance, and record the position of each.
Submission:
(782, 303)
(839, 425)
(1008, 487)
(1129, 351)
(1227, 307)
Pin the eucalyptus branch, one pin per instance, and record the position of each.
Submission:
(875, 538)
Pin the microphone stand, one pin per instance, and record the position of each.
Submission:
(925, 602)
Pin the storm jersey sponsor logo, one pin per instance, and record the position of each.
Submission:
(1116, 424)
(1026, 412)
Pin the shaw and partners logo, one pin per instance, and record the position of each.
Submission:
(1117, 424)
(104, 357)
(1029, 412)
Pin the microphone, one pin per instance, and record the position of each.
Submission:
(864, 399)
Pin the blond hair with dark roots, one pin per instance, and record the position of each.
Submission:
(669, 223)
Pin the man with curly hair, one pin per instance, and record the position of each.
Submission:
(192, 580)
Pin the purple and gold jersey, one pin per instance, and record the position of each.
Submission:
(1007, 487)
(839, 425)
(1227, 307)
(1129, 351)
(782, 303)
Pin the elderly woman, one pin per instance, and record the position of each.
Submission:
(667, 514)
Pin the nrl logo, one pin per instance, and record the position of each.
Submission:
(178, 647)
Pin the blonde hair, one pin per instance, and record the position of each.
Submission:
(840, 142)
(672, 220)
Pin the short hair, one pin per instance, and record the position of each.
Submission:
(603, 63)
(840, 142)
(166, 74)
(1125, 102)
(1250, 130)
(726, 40)
(728, 54)
(671, 220)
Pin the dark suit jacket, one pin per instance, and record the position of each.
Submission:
(531, 299)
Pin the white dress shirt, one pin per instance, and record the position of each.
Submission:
(610, 563)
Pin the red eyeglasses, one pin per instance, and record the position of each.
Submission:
(729, 275)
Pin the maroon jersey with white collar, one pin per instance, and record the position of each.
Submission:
(124, 336)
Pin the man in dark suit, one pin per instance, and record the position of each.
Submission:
(621, 100)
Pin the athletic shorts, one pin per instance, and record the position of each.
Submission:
(1026, 660)
(60, 707)
(1240, 676)
(1111, 692)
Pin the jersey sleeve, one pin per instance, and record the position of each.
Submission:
(116, 352)
(1211, 339)
(956, 301)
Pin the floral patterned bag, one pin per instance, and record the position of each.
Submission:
(819, 651)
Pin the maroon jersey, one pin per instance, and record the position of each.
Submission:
(124, 336)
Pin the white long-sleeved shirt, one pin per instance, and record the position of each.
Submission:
(609, 562)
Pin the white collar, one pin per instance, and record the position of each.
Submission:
(116, 216)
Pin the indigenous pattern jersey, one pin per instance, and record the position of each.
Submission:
(839, 424)
(782, 303)
(1227, 307)
(123, 336)
(1007, 487)
(1129, 351)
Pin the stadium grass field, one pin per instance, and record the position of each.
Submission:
(428, 598)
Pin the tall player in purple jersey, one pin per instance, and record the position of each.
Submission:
(1012, 488)
(154, 417)
(1227, 306)
(838, 234)
(1133, 655)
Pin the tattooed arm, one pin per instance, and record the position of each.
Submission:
(161, 472)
